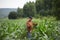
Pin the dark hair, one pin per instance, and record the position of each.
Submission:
(30, 17)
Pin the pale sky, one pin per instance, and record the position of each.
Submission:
(13, 3)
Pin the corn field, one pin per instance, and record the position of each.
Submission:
(47, 29)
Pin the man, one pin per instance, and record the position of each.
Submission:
(30, 25)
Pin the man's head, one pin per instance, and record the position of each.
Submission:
(30, 18)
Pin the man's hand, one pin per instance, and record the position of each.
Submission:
(34, 24)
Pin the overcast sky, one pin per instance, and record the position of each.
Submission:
(13, 3)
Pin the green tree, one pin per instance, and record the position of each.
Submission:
(12, 15)
(48, 4)
(39, 5)
(20, 12)
(44, 7)
(57, 10)
(29, 9)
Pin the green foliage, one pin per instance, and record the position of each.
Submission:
(12, 15)
(57, 9)
(29, 9)
(44, 7)
(47, 29)
(20, 12)
(39, 5)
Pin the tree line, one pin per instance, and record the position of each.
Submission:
(39, 8)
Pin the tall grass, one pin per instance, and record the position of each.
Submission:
(47, 29)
